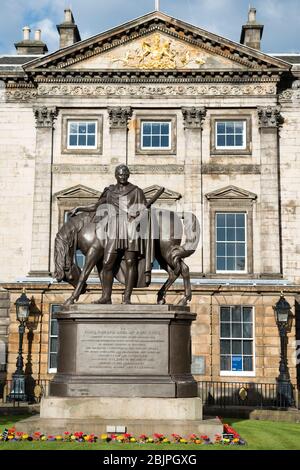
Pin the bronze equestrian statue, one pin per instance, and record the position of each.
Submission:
(109, 234)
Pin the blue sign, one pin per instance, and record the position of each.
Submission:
(237, 363)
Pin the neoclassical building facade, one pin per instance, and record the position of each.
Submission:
(215, 122)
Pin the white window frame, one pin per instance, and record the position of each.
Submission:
(228, 373)
(231, 147)
(51, 370)
(246, 243)
(86, 122)
(155, 121)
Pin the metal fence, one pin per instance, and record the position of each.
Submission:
(259, 395)
(34, 390)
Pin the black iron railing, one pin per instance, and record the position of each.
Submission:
(225, 394)
(34, 390)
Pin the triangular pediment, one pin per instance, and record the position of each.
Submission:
(231, 192)
(167, 196)
(156, 42)
(77, 192)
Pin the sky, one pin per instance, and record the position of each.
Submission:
(223, 17)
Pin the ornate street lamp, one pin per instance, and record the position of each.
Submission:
(284, 387)
(18, 379)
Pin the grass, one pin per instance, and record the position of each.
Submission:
(259, 435)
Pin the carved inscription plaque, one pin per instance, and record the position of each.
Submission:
(119, 349)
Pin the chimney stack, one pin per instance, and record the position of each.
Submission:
(68, 30)
(252, 31)
(31, 46)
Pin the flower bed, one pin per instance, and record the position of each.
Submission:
(229, 437)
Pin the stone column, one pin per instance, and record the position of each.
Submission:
(193, 191)
(270, 254)
(119, 117)
(41, 224)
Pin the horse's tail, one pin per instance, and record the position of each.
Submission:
(64, 249)
(192, 236)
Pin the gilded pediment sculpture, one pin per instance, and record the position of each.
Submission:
(158, 52)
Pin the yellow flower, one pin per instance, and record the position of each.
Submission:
(1, 438)
(58, 438)
(73, 437)
(10, 436)
(43, 438)
(25, 436)
(183, 441)
(198, 441)
(149, 439)
(103, 437)
(132, 439)
(166, 440)
(86, 438)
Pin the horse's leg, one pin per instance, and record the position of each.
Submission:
(90, 261)
(185, 272)
(161, 295)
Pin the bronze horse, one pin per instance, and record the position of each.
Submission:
(80, 232)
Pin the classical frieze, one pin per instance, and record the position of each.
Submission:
(19, 94)
(105, 169)
(244, 169)
(157, 90)
(291, 94)
(193, 117)
(45, 116)
(269, 116)
(119, 116)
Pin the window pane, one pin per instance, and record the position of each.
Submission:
(82, 140)
(221, 141)
(220, 249)
(155, 141)
(225, 363)
(240, 264)
(221, 265)
(146, 141)
(236, 347)
(239, 127)
(230, 234)
(225, 314)
(230, 264)
(240, 249)
(155, 128)
(53, 361)
(247, 314)
(221, 220)
(73, 128)
(230, 249)
(225, 346)
(53, 344)
(91, 140)
(248, 363)
(236, 330)
(236, 314)
(230, 140)
(165, 141)
(82, 128)
(240, 234)
(221, 127)
(247, 330)
(54, 328)
(239, 140)
(73, 140)
(247, 347)
(240, 220)
(230, 127)
(165, 128)
(225, 330)
(220, 234)
(146, 128)
(91, 128)
(230, 220)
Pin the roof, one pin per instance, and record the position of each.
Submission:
(290, 58)
(15, 62)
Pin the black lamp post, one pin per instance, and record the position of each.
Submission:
(285, 388)
(18, 379)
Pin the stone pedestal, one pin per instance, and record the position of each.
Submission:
(124, 351)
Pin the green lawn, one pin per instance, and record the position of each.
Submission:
(260, 435)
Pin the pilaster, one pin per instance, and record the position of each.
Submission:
(119, 118)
